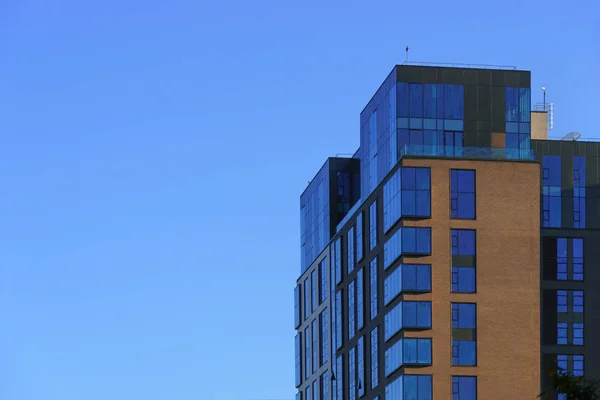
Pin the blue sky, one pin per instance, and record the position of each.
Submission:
(152, 155)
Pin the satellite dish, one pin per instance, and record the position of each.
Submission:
(572, 136)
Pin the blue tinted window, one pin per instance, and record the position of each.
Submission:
(416, 192)
(409, 278)
(315, 346)
(373, 286)
(360, 307)
(463, 261)
(373, 225)
(407, 240)
(307, 353)
(577, 259)
(297, 315)
(307, 393)
(338, 320)
(407, 315)
(464, 388)
(338, 261)
(352, 374)
(569, 259)
(374, 358)
(324, 337)
(551, 191)
(402, 99)
(306, 299)
(512, 104)
(351, 320)
(462, 196)
(339, 377)
(315, 390)
(464, 334)
(454, 101)
(407, 351)
(325, 386)
(430, 100)
(314, 289)
(360, 354)
(391, 201)
(524, 105)
(579, 192)
(572, 364)
(416, 100)
(569, 307)
(359, 237)
(298, 343)
(350, 242)
(323, 280)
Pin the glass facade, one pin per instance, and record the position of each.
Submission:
(352, 374)
(406, 194)
(307, 295)
(373, 225)
(462, 194)
(360, 368)
(463, 261)
(414, 278)
(359, 246)
(339, 377)
(374, 358)
(570, 317)
(407, 240)
(464, 334)
(350, 243)
(338, 320)
(315, 346)
(407, 352)
(324, 337)
(563, 258)
(360, 298)
(325, 386)
(307, 354)
(351, 311)
(464, 388)
(298, 343)
(410, 387)
(407, 315)
(323, 281)
(297, 310)
(373, 287)
(314, 286)
(579, 192)
(551, 192)
(518, 118)
(338, 260)
(315, 217)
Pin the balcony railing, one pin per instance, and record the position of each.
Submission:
(485, 153)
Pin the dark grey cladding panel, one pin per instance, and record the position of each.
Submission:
(498, 108)
(470, 102)
(498, 78)
(484, 103)
(484, 77)
(511, 78)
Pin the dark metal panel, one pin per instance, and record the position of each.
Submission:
(498, 109)
(408, 73)
(431, 75)
(470, 103)
(484, 77)
(470, 76)
(525, 79)
(452, 76)
(484, 134)
(484, 103)
(549, 316)
(498, 78)
(511, 78)
(549, 267)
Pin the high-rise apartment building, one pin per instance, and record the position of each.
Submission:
(449, 258)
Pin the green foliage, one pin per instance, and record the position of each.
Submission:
(574, 387)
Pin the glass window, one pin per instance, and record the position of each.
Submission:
(315, 389)
(323, 280)
(463, 261)
(359, 237)
(350, 241)
(416, 192)
(464, 388)
(407, 351)
(430, 100)
(512, 104)
(374, 359)
(568, 258)
(314, 289)
(338, 260)
(360, 350)
(571, 364)
(307, 353)
(307, 393)
(315, 347)
(416, 100)
(351, 310)
(407, 314)
(325, 386)
(410, 387)
(352, 374)
(306, 299)
(462, 194)
(373, 287)
(579, 192)
(570, 326)
(338, 320)
(454, 98)
(407, 240)
(391, 201)
(339, 378)
(373, 225)
(464, 334)
(360, 307)
(298, 342)
(297, 315)
(551, 192)
(324, 337)
(407, 278)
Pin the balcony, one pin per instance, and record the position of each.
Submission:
(483, 153)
